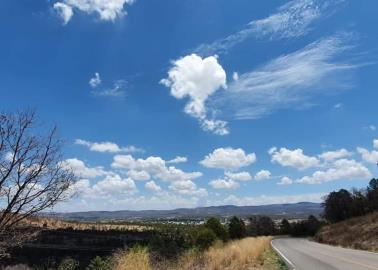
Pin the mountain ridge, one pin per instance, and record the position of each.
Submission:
(288, 210)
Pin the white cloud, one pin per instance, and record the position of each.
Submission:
(375, 144)
(64, 11)
(239, 176)
(224, 184)
(372, 127)
(187, 187)
(108, 147)
(151, 185)
(262, 175)
(342, 169)
(95, 81)
(338, 106)
(287, 82)
(217, 127)
(114, 185)
(177, 159)
(285, 181)
(290, 20)
(139, 175)
(235, 76)
(154, 166)
(368, 156)
(117, 90)
(196, 78)
(332, 155)
(107, 10)
(293, 158)
(228, 159)
(81, 170)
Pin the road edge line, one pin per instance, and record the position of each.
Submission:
(281, 255)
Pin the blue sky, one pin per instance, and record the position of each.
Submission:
(167, 104)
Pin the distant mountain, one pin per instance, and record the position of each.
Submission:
(295, 210)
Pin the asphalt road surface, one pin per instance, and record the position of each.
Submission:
(301, 254)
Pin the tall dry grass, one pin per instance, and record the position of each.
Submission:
(137, 258)
(246, 254)
(242, 254)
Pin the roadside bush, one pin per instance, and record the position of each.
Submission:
(99, 263)
(205, 238)
(68, 264)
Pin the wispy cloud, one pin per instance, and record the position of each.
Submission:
(116, 90)
(293, 19)
(289, 81)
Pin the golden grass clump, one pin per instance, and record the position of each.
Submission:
(242, 254)
(136, 258)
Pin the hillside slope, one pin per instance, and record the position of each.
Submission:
(357, 233)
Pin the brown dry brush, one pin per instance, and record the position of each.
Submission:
(32, 175)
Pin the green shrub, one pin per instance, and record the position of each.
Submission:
(236, 228)
(99, 263)
(68, 264)
(205, 238)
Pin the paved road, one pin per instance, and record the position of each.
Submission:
(302, 254)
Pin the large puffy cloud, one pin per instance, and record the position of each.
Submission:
(262, 175)
(340, 169)
(230, 180)
(285, 181)
(154, 166)
(368, 156)
(337, 154)
(187, 187)
(224, 184)
(240, 176)
(197, 78)
(109, 147)
(107, 10)
(293, 158)
(151, 185)
(115, 185)
(228, 159)
(81, 170)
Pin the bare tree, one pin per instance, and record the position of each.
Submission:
(32, 175)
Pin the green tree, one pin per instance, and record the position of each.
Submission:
(338, 206)
(217, 227)
(205, 238)
(285, 227)
(372, 194)
(236, 228)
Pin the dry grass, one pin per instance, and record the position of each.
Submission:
(137, 258)
(246, 254)
(358, 233)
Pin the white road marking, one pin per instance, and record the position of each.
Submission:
(281, 254)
